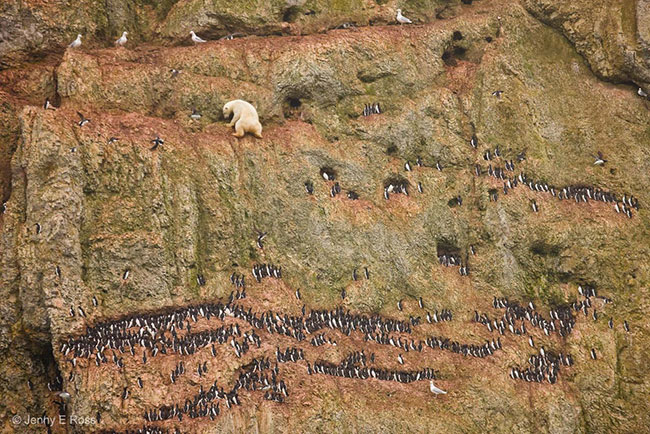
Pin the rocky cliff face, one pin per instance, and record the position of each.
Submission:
(82, 210)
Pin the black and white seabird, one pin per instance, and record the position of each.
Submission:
(366, 273)
(82, 120)
(309, 187)
(126, 273)
(497, 93)
(327, 174)
(298, 294)
(95, 301)
(599, 160)
(112, 140)
(157, 142)
(407, 166)
(47, 105)
(420, 187)
(474, 141)
(140, 382)
(195, 115)
(593, 354)
(260, 237)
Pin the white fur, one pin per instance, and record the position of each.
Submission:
(244, 118)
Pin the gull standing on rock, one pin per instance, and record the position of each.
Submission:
(76, 43)
(402, 19)
(196, 39)
(120, 42)
(435, 390)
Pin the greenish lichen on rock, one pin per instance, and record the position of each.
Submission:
(195, 205)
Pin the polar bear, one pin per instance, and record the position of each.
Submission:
(244, 118)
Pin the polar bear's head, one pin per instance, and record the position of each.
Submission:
(227, 110)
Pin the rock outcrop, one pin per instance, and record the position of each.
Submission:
(614, 37)
(82, 209)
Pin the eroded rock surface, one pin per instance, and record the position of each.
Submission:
(82, 210)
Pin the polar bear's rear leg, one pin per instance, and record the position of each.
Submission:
(239, 129)
(258, 131)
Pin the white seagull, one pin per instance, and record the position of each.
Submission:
(76, 43)
(120, 42)
(196, 39)
(642, 93)
(435, 390)
(402, 19)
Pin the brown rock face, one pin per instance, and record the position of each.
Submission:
(614, 37)
(120, 260)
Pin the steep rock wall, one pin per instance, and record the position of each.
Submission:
(194, 206)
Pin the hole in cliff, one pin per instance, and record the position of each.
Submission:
(398, 182)
(449, 59)
(45, 365)
(457, 36)
(453, 54)
(612, 171)
(467, 2)
(488, 39)
(543, 248)
(291, 14)
(292, 107)
(459, 51)
(446, 247)
(392, 149)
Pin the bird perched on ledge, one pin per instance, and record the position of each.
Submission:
(196, 39)
(435, 390)
(401, 18)
(122, 40)
(76, 43)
